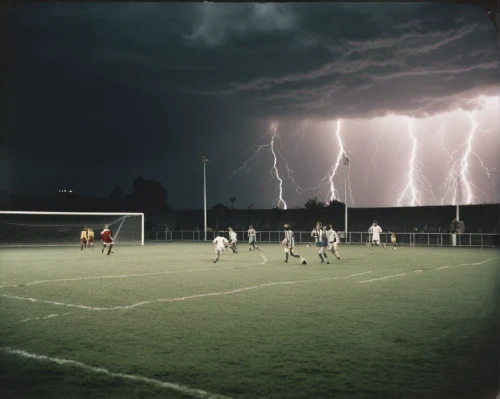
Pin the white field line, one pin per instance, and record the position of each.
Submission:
(197, 393)
(468, 264)
(133, 275)
(392, 276)
(50, 316)
(211, 294)
(420, 271)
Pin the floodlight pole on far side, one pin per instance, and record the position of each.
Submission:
(346, 163)
(204, 159)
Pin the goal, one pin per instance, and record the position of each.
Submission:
(19, 228)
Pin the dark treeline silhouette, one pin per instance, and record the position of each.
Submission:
(148, 196)
(432, 219)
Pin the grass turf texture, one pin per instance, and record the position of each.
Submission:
(431, 334)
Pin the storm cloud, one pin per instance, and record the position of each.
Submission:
(149, 86)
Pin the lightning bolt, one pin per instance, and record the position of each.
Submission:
(254, 160)
(415, 175)
(274, 169)
(330, 178)
(458, 176)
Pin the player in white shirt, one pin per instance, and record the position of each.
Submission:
(375, 231)
(289, 243)
(220, 243)
(232, 240)
(320, 237)
(252, 237)
(333, 240)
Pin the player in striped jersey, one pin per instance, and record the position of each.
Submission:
(289, 242)
(252, 236)
(320, 236)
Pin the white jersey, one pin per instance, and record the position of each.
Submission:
(232, 235)
(251, 235)
(220, 242)
(290, 239)
(332, 236)
(375, 231)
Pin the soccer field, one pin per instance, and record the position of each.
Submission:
(163, 321)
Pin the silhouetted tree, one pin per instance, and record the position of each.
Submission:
(312, 203)
(148, 196)
(116, 201)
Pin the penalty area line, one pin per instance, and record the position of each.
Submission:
(420, 271)
(132, 275)
(50, 316)
(168, 300)
(197, 393)
(467, 264)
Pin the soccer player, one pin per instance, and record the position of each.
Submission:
(232, 240)
(375, 231)
(252, 235)
(107, 239)
(220, 243)
(91, 238)
(289, 242)
(333, 240)
(84, 237)
(319, 234)
(393, 240)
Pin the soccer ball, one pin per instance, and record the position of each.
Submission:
(308, 245)
(304, 262)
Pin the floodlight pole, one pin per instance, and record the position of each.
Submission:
(346, 163)
(204, 159)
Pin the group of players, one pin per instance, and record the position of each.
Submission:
(325, 239)
(87, 238)
(222, 243)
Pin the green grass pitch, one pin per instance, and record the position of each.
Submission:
(163, 321)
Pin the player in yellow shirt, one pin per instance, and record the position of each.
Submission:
(90, 238)
(393, 240)
(84, 237)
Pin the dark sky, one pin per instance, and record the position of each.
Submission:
(100, 93)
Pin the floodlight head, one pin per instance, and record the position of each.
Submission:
(204, 159)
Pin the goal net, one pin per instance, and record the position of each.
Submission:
(64, 228)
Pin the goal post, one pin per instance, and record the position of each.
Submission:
(26, 228)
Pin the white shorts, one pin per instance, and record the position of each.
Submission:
(218, 251)
(332, 245)
(108, 243)
(377, 241)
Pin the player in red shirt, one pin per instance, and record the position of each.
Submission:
(107, 239)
